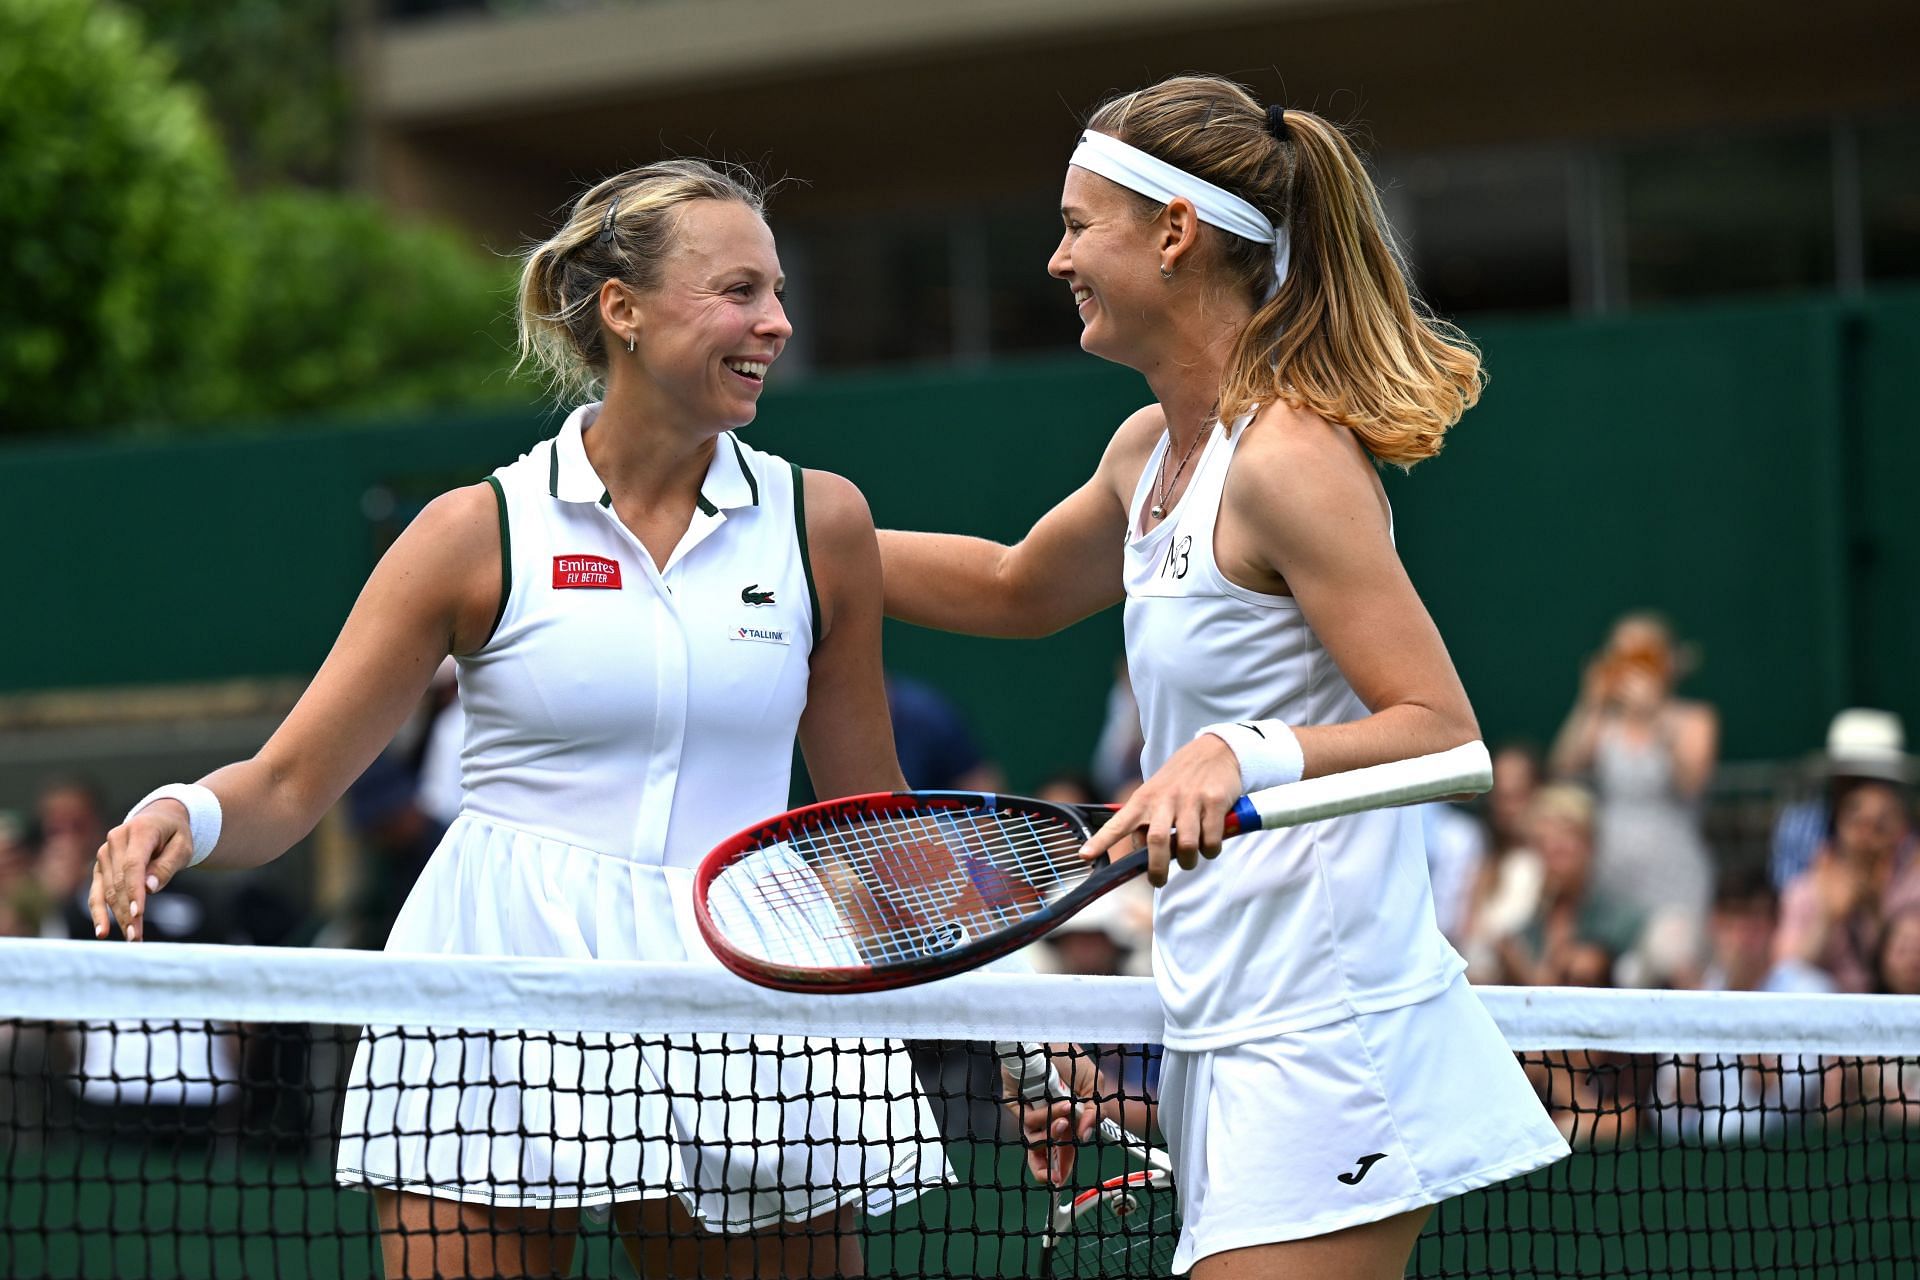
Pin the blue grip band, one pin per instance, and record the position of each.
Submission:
(1243, 816)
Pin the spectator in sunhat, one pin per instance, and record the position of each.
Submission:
(1862, 743)
(1865, 871)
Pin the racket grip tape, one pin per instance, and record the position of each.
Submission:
(1030, 1070)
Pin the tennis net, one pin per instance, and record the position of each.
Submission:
(182, 1111)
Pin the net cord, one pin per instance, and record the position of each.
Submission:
(72, 981)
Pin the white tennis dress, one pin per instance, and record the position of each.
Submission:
(1313, 1006)
(621, 721)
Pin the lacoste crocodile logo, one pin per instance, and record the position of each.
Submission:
(1366, 1163)
(751, 594)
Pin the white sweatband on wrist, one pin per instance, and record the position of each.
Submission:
(1268, 752)
(203, 814)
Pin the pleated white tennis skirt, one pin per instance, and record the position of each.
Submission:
(1346, 1123)
(747, 1131)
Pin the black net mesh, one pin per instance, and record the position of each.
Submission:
(190, 1148)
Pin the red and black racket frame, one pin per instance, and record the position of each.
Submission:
(1105, 876)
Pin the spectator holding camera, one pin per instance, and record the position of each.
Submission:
(1649, 755)
(1833, 915)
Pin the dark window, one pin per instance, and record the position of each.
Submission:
(1029, 309)
(876, 291)
(1484, 231)
(1727, 215)
(1890, 198)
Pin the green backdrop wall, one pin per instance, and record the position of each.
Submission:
(1741, 468)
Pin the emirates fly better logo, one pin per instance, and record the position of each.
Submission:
(586, 571)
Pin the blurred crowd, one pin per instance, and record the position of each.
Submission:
(1587, 865)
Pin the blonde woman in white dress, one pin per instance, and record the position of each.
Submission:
(645, 612)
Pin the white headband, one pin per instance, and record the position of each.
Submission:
(1159, 181)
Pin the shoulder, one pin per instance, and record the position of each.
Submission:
(838, 517)
(1132, 444)
(1293, 463)
(455, 521)
(1138, 433)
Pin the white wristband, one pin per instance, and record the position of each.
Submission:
(1268, 752)
(203, 814)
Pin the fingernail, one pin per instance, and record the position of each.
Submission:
(135, 910)
(153, 884)
(99, 931)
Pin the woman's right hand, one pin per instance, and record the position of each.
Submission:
(141, 856)
(1053, 1129)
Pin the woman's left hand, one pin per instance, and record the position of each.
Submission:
(1182, 809)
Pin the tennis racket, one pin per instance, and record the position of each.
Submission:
(874, 892)
(1127, 1225)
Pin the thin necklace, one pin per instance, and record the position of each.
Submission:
(1159, 509)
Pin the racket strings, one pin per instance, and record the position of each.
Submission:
(872, 888)
(1130, 1231)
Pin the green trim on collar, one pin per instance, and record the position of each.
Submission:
(606, 499)
(806, 558)
(753, 486)
(553, 467)
(706, 508)
(506, 559)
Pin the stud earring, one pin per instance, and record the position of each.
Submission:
(1166, 272)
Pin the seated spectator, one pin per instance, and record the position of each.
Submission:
(1861, 744)
(1832, 914)
(937, 749)
(70, 826)
(1506, 892)
(1650, 755)
(1737, 1097)
(1456, 851)
(1116, 754)
(440, 792)
(1576, 925)
(19, 890)
(1889, 1088)
(1067, 787)
(396, 837)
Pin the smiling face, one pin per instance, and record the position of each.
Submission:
(705, 336)
(1107, 256)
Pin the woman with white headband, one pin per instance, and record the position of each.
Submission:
(1329, 1074)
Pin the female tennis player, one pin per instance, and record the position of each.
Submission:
(1329, 1075)
(645, 611)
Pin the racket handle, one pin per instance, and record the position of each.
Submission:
(1030, 1070)
(1463, 770)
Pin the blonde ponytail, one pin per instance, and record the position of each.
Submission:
(1343, 336)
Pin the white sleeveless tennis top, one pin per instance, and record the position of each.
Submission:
(1286, 929)
(645, 714)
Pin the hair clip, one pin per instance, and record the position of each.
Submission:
(606, 227)
(1277, 123)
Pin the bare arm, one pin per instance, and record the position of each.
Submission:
(1573, 747)
(434, 592)
(845, 732)
(1308, 499)
(1694, 729)
(1068, 567)
(1301, 513)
